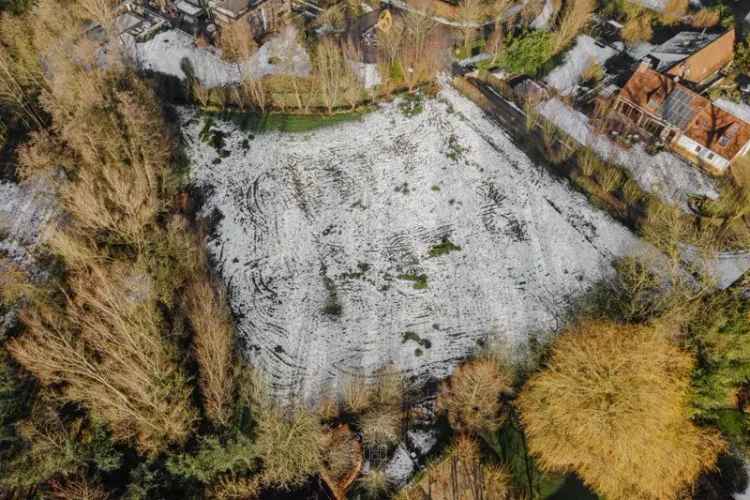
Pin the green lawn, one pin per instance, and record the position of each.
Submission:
(291, 123)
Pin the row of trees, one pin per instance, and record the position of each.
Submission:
(410, 53)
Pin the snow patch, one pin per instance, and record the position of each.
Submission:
(400, 468)
(586, 52)
(169, 51)
(25, 209)
(545, 16)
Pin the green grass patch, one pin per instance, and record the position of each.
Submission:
(290, 123)
(420, 281)
(412, 336)
(411, 104)
(455, 149)
(443, 248)
(332, 307)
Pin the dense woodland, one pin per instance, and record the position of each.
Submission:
(122, 379)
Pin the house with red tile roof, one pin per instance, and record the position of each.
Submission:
(657, 105)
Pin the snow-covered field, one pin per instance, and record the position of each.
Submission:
(348, 216)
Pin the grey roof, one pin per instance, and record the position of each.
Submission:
(677, 108)
(236, 7)
(680, 46)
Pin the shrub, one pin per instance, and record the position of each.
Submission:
(589, 162)
(612, 405)
(214, 346)
(632, 192)
(609, 178)
(674, 11)
(288, 445)
(471, 397)
(593, 73)
(357, 394)
(380, 427)
(705, 18)
(374, 483)
(528, 53)
(638, 29)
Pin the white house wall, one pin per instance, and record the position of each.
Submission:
(703, 153)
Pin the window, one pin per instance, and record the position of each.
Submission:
(710, 156)
(654, 127)
(698, 149)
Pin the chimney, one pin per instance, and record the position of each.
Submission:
(644, 64)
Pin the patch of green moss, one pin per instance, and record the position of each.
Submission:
(445, 247)
(420, 281)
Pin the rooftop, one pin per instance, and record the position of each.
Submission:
(680, 46)
(709, 125)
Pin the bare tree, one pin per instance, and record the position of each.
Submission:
(352, 82)
(574, 18)
(470, 14)
(214, 338)
(101, 12)
(423, 51)
(237, 41)
(330, 65)
(254, 91)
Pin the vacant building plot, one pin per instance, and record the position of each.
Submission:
(414, 236)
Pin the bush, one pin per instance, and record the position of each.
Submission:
(528, 53)
(674, 11)
(612, 405)
(380, 427)
(471, 397)
(288, 446)
(705, 18)
(460, 474)
(638, 29)
(213, 458)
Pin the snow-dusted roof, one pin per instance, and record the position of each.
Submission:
(656, 5)
(681, 46)
(584, 53)
(126, 21)
(740, 110)
(188, 8)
